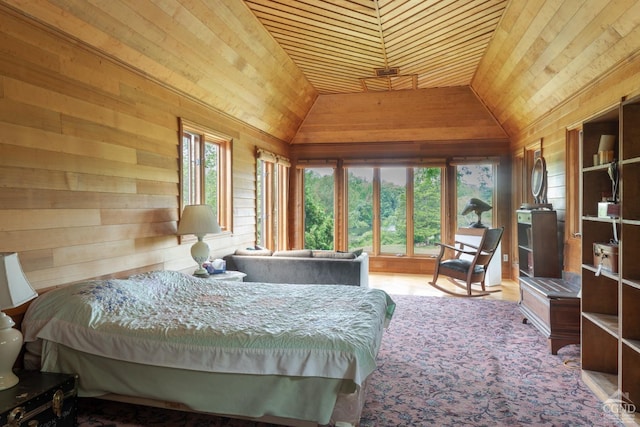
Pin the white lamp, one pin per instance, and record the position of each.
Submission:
(15, 290)
(199, 220)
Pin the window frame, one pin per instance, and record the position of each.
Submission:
(272, 199)
(224, 188)
(447, 193)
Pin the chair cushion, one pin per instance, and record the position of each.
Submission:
(459, 265)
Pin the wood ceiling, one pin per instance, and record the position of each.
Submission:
(339, 44)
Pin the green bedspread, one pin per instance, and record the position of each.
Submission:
(174, 320)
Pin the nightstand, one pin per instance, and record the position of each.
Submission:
(228, 276)
(40, 398)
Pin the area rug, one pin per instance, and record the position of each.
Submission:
(443, 362)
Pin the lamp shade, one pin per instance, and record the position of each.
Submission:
(198, 220)
(15, 289)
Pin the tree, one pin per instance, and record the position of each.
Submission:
(318, 210)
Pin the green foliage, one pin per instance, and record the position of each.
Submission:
(360, 207)
(427, 184)
(211, 175)
(318, 210)
(472, 181)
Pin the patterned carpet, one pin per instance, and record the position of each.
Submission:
(443, 362)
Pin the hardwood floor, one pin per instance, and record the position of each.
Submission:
(417, 284)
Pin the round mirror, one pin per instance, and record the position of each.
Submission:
(537, 179)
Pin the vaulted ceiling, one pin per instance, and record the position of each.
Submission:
(266, 62)
(347, 46)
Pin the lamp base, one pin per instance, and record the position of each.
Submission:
(201, 272)
(200, 254)
(8, 380)
(10, 345)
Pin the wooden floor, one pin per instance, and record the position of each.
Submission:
(417, 284)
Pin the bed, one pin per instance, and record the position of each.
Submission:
(294, 355)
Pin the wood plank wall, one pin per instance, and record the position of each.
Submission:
(550, 66)
(89, 161)
(438, 114)
(214, 51)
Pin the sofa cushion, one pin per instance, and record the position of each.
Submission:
(297, 253)
(334, 255)
(254, 252)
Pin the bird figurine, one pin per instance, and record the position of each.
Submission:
(477, 206)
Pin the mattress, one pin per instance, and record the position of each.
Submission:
(303, 342)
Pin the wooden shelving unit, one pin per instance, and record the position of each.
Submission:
(610, 311)
(538, 244)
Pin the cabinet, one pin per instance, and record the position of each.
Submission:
(538, 254)
(610, 312)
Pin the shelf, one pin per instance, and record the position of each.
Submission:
(603, 385)
(635, 160)
(632, 283)
(633, 344)
(604, 273)
(607, 322)
(600, 219)
(598, 168)
(631, 222)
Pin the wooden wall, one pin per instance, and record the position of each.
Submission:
(550, 66)
(439, 114)
(89, 160)
(213, 52)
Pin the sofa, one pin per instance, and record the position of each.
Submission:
(302, 266)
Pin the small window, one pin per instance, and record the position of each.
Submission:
(272, 188)
(205, 171)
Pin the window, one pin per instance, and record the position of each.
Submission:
(399, 208)
(474, 180)
(272, 188)
(319, 217)
(205, 171)
(427, 210)
(360, 208)
(394, 210)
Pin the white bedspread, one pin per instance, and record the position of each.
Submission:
(171, 319)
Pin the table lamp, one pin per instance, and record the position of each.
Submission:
(15, 290)
(199, 220)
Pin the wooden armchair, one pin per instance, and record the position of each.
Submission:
(467, 265)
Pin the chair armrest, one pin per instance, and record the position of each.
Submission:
(457, 249)
(467, 244)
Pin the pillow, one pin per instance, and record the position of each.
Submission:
(254, 252)
(357, 252)
(334, 255)
(300, 253)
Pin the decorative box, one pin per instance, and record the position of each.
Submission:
(606, 255)
(40, 399)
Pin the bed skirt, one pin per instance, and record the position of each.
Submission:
(294, 401)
